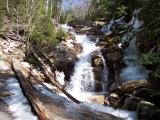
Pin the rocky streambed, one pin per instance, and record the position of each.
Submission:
(99, 69)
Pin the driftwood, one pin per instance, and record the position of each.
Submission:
(29, 91)
(51, 77)
(49, 61)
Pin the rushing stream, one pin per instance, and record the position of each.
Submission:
(82, 80)
(18, 104)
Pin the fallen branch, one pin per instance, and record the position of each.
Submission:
(52, 79)
(49, 61)
(29, 91)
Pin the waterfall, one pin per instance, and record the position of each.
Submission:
(82, 80)
(133, 71)
(107, 29)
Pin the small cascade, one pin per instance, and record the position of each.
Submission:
(60, 77)
(104, 75)
(133, 71)
(18, 104)
(82, 80)
(107, 29)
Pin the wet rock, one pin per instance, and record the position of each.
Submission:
(2, 85)
(148, 111)
(97, 99)
(98, 71)
(130, 86)
(98, 86)
(98, 67)
(153, 79)
(113, 100)
(114, 86)
(5, 94)
(114, 56)
(102, 44)
(131, 102)
(65, 60)
(147, 94)
(97, 62)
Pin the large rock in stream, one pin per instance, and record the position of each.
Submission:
(66, 57)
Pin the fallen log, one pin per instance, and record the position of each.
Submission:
(29, 91)
(51, 77)
(49, 61)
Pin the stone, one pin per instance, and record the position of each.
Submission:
(98, 86)
(130, 86)
(97, 99)
(154, 80)
(113, 100)
(2, 85)
(5, 94)
(97, 62)
(65, 59)
(150, 95)
(131, 103)
(148, 111)
(114, 56)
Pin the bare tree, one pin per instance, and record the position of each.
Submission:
(7, 6)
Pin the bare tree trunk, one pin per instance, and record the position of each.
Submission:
(7, 6)
(47, 5)
(51, 9)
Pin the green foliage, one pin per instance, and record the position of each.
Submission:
(156, 73)
(150, 58)
(60, 34)
(44, 32)
(33, 62)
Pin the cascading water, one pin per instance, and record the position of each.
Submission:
(18, 104)
(82, 80)
(107, 29)
(133, 71)
(83, 77)
(104, 75)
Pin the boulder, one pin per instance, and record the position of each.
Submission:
(131, 103)
(148, 111)
(98, 86)
(113, 100)
(97, 99)
(98, 71)
(147, 94)
(97, 62)
(130, 86)
(154, 79)
(65, 60)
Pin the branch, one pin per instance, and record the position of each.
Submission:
(52, 79)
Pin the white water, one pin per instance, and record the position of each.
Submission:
(104, 75)
(107, 29)
(60, 77)
(133, 71)
(127, 115)
(82, 80)
(18, 104)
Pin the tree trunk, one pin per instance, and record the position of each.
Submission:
(31, 94)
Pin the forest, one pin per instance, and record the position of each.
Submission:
(79, 60)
